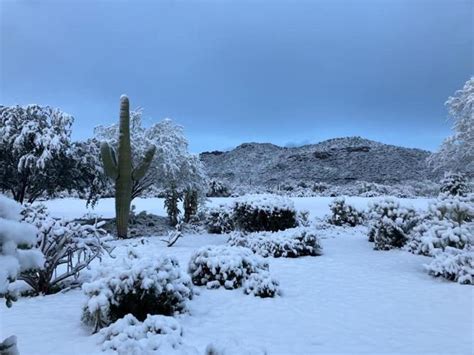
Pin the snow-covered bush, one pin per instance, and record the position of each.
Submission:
(219, 219)
(253, 213)
(17, 241)
(454, 184)
(449, 223)
(68, 247)
(344, 214)
(261, 285)
(390, 224)
(216, 266)
(290, 243)
(217, 189)
(319, 187)
(156, 333)
(140, 286)
(453, 264)
(302, 218)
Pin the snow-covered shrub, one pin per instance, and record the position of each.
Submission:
(454, 184)
(68, 247)
(449, 223)
(302, 218)
(290, 243)
(261, 285)
(390, 224)
(453, 264)
(156, 333)
(227, 266)
(217, 189)
(17, 241)
(266, 212)
(319, 187)
(136, 285)
(219, 219)
(344, 214)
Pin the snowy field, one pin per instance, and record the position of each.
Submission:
(350, 300)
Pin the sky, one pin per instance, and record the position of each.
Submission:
(284, 72)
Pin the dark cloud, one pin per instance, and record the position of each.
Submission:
(235, 71)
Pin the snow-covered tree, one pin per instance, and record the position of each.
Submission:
(92, 183)
(172, 161)
(34, 151)
(173, 169)
(454, 184)
(457, 151)
(16, 246)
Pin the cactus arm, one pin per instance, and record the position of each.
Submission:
(140, 171)
(109, 161)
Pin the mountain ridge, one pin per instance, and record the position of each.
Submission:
(335, 161)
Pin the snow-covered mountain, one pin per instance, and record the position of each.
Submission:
(335, 161)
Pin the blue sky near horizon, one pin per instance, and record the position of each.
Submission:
(285, 72)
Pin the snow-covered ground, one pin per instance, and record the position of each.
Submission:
(350, 300)
(318, 206)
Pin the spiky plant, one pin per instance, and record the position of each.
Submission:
(119, 168)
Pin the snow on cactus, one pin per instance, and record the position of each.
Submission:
(17, 241)
(453, 264)
(344, 214)
(390, 224)
(290, 243)
(68, 248)
(156, 334)
(136, 285)
(216, 266)
(265, 212)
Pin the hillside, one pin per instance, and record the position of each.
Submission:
(336, 161)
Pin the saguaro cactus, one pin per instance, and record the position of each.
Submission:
(119, 168)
